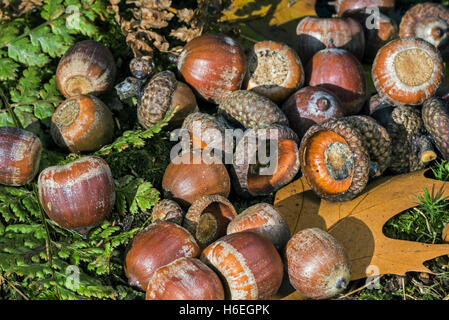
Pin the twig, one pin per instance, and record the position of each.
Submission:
(14, 287)
(359, 289)
(403, 288)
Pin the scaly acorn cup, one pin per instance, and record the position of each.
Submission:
(407, 71)
(161, 95)
(191, 175)
(435, 115)
(185, 279)
(79, 195)
(274, 70)
(428, 21)
(250, 110)
(248, 263)
(214, 65)
(266, 158)
(309, 106)
(155, 246)
(82, 123)
(315, 34)
(142, 67)
(167, 210)
(208, 217)
(20, 154)
(339, 71)
(265, 220)
(318, 265)
(87, 67)
(411, 147)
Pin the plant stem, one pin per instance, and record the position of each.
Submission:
(9, 109)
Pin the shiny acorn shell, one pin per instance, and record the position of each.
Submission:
(87, 67)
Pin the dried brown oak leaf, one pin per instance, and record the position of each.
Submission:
(358, 224)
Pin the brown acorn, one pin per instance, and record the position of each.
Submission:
(435, 115)
(249, 109)
(79, 195)
(208, 218)
(20, 154)
(214, 65)
(338, 156)
(316, 33)
(407, 71)
(340, 72)
(411, 148)
(192, 175)
(82, 123)
(378, 30)
(87, 67)
(265, 220)
(167, 210)
(274, 70)
(248, 263)
(265, 159)
(185, 279)
(155, 246)
(428, 21)
(311, 105)
(318, 265)
(342, 6)
(161, 96)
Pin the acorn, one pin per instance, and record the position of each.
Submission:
(318, 265)
(142, 67)
(340, 72)
(155, 246)
(407, 71)
(411, 148)
(274, 70)
(249, 109)
(265, 159)
(265, 220)
(248, 264)
(435, 115)
(378, 30)
(428, 21)
(185, 279)
(342, 6)
(20, 156)
(194, 174)
(167, 210)
(338, 156)
(82, 123)
(309, 106)
(77, 196)
(87, 67)
(316, 33)
(208, 218)
(161, 96)
(205, 131)
(214, 65)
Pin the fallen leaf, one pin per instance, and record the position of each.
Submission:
(269, 20)
(358, 224)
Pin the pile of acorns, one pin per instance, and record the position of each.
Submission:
(315, 99)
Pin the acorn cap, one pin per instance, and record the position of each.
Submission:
(376, 141)
(142, 67)
(252, 178)
(411, 149)
(167, 210)
(208, 218)
(435, 115)
(159, 99)
(334, 160)
(205, 131)
(429, 21)
(251, 110)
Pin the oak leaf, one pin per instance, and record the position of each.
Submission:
(358, 224)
